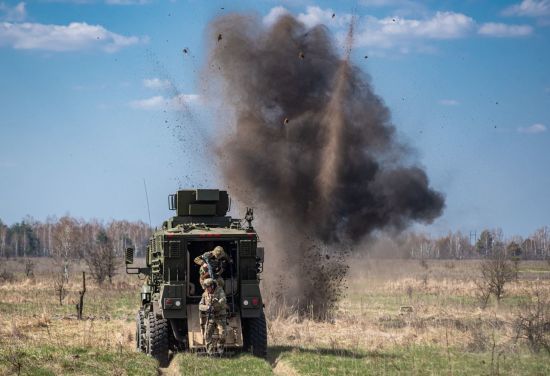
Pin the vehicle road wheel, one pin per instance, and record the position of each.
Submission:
(255, 336)
(140, 331)
(157, 338)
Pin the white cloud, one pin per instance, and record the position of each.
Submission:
(448, 102)
(501, 30)
(159, 102)
(73, 37)
(444, 25)
(402, 34)
(153, 103)
(316, 16)
(156, 83)
(17, 13)
(533, 129)
(392, 31)
(274, 15)
(529, 8)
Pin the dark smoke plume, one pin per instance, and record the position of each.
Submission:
(312, 147)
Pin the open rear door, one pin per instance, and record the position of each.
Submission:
(233, 338)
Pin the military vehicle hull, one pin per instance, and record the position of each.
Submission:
(168, 319)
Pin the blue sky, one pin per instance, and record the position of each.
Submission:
(99, 95)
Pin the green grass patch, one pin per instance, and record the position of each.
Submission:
(413, 360)
(514, 301)
(52, 360)
(240, 364)
(7, 308)
(540, 267)
(117, 304)
(390, 302)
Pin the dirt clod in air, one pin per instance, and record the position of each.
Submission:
(325, 181)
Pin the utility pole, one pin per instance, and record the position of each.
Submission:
(473, 235)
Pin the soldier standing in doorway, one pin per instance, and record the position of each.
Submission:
(213, 313)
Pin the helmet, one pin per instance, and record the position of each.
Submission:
(218, 252)
(209, 282)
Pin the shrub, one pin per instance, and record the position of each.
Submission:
(532, 322)
(7, 277)
(29, 268)
(496, 271)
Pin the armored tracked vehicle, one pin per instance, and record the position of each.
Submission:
(168, 318)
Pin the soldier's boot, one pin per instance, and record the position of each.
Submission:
(210, 348)
(220, 345)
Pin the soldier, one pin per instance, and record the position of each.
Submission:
(217, 259)
(213, 313)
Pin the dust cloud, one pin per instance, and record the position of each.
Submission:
(308, 144)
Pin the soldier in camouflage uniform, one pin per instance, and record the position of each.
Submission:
(217, 258)
(213, 311)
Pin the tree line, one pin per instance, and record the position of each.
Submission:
(456, 245)
(101, 245)
(68, 238)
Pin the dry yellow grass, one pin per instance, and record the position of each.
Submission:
(445, 310)
(444, 313)
(32, 319)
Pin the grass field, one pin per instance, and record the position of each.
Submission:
(398, 317)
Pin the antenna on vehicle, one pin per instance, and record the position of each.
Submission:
(147, 199)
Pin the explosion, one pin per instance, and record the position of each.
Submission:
(313, 148)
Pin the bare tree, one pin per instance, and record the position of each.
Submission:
(102, 259)
(66, 238)
(44, 233)
(3, 234)
(541, 239)
(59, 287)
(496, 270)
(422, 246)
